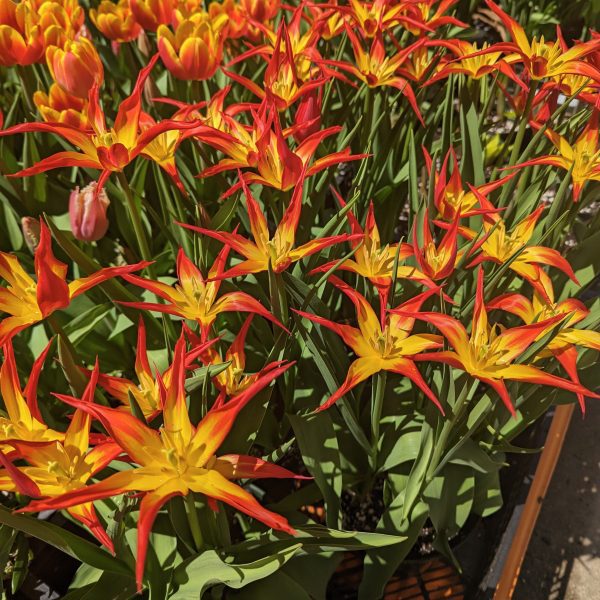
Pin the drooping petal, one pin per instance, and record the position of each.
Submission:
(239, 466)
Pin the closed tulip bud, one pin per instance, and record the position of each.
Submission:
(116, 21)
(76, 67)
(57, 106)
(195, 50)
(261, 10)
(31, 232)
(87, 213)
(237, 23)
(152, 13)
(308, 115)
(21, 38)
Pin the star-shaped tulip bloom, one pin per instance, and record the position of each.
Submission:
(107, 149)
(500, 246)
(64, 465)
(195, 298)
(147, 392)
(373, 260)
(279, 251)
(489, 353)
(177, 460)
(563, 346)
(388, 348)
(23, 420)
(28, 301)
(582, 157)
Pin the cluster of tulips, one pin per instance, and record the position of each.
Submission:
(350, 238)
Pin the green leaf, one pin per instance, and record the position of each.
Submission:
(67, 542)
(81, 325)
(192, 578)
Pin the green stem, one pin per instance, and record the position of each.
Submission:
(26, 82)
(377, 397)
(136, 218)
(516, 149)
(192, 515)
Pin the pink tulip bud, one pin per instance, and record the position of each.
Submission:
(87, 212)
(308, 115)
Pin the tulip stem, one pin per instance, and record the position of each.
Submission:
(192, 515)
(377, 396)
(516, 149)
(136, 217)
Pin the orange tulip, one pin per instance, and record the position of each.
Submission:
(237, 23)
(195, 297)
(563, 346)
(582, 157)
(380, 347)
(21, 38)
(116, 21)
(147, 393)
(64, 465)
(261, 10)
(543, 59)
(23, 420)
(176, 460)
(76, 67)
(58, 106)
(500, 246)
(27, 301)
(152, 13)
(195, 49)
(372, 260)
(277, 252)
(489, 352)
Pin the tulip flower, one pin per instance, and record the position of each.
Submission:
(21, 37)
(195, 298)
(307, 119)
(278, 252)
(177, 460)
(102, 148)
(372, 260)
(282, 84)
(471, 62)
(87, 213)
(58, 106)
(195, 49)
(373, 18)
(267, 151)
(27, 301)
(65, 465)
(237, 23)
(23, 420)
(147, 392)
(152, 13)
(261, 11)
(543, 59)
(427, 18)
(563, 346)
(76, 67)
(500, 246)
(436, 262)
(116, 21)
(380, 348)
(489, 352)
(376, 69)
(582, 157)
(233, 379)
(450, 196)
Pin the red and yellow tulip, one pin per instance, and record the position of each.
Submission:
(64, 465)
(58, 106)
(277, 252)
(582, 157)
(106, 149)
(23, 420)
(28, 301)
(390, 347)
(152, 13)
(563, 346)
(195, 298)
(177, 460)
(194, 50)
(489, 352)
(116, 21)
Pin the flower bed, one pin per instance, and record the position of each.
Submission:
(282, 285)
